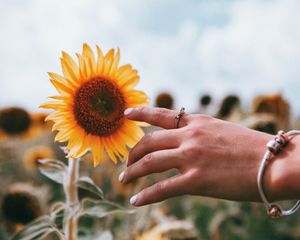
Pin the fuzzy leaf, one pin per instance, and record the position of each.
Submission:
(53, 169)
(57, 212)
(101, 208)
(88, 184)
(35, 229)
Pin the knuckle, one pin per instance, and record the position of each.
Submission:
(202, 120)
(148, 137)
(147, 160)
(196, 131)
(205, 117)
(141, 109)
(159, 187)
(192, 150)
(141, 112)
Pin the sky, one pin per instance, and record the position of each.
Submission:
(187, 48)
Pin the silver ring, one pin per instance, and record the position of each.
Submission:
(178, 116)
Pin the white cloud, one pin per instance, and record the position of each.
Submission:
(257, 51)
(189, 47)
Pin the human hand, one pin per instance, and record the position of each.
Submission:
(215, 158)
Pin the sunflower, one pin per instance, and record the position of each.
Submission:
(89, 110)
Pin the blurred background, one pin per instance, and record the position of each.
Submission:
(237, 60)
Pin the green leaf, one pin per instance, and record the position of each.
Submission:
(53, 169)
(35, 229)
(101, 208)
(88, 184)
(46, 233)
(57, 209)
(57, 212)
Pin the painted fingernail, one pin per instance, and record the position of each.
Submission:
(128, 111)
(133, 200)
(121, 176)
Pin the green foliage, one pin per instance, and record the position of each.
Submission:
(53, 169)
(235, 221)
(101, 208)
(38, 229)
(88, 184)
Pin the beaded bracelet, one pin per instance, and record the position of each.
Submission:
(274, 147)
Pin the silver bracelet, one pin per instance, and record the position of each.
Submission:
(274, 147)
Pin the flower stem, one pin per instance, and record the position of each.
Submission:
(71, 193)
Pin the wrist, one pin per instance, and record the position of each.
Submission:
(282, 176)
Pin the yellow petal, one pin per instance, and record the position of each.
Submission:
(63, 125)
(59, 116)
(62, 88)
(98, 150)
(62, 136)
(130, 82)
(135, 98)
(82, 68)
(89, 57)
(115, 63)
(131, 132)
(125, 69)
(118, 145)
(69, 60)
(108, 147)
(57, 105)
(69, 67)
(58, 77)
(75, 144)
(70, 73)
(108, 60)
(100, 62)
(82, 149)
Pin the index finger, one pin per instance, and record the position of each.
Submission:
(160, 117)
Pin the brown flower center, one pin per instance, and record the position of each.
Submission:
(99, 106)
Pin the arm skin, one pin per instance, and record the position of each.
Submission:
(215, 158)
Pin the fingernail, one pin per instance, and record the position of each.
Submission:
(126, 161)
(128, 111)
(121, 176)
(133, 200)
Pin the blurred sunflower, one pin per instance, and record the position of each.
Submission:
(34, 154)
(164, 100)
(14, 121)
(89, 111)
(22, 203)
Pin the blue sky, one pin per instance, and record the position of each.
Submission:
(186, 47)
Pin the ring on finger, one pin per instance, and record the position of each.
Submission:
(179, 116)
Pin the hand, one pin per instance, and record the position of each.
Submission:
(215, 158)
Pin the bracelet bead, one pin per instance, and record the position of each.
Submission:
(274, 211)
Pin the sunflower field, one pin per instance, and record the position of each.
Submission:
(71, 69)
